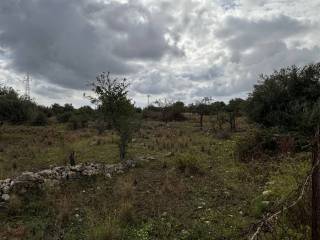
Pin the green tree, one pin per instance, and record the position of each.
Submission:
(202, 107)
(234, 109)
(288, 99)
(112, 100)
(14, 108)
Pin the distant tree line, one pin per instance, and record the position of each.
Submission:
(17, 109)
(167, 111)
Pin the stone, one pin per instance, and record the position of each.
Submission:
(6, 189)
(267, 192)
(5, 197)
(53, 176)
(169, 154)
(108, 175)
(28, 176)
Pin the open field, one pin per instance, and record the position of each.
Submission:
(189, 184)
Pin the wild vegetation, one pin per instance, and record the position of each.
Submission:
(208, 170)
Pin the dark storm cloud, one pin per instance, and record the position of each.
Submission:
(52, 92)
(182, 49)
(67, 42)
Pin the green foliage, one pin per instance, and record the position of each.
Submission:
(288, 98)
(255, 143)
(40, 119)
(64, 117)
(188, 163)
(108, 229)
(14, 108)
(116, 107)
(77, 121)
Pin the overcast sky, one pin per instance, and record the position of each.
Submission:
(178, 49)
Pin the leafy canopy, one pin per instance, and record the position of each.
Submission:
(288, 98)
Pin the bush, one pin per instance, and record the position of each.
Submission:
(40, 119)
(223, 135)
(15, 109)
(109, 229)
(188, 163)
(126, 213)
(260, 142)
(77, 121)
(64, 117)
(248, 147)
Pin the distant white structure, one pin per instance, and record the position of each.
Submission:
(27, 81)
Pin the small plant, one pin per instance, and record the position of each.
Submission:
(248, 147)
(40, 119)
(108, 229)
(126, 213)
(188, 163)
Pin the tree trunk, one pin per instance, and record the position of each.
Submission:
(122, 152)
(316, 189)
(201, 121)
(122, 147)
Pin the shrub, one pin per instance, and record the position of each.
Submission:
(15, 109)
(248, 146)
(40, 119)
(256, 143)
(64, 117)
(109, 229)
(223, 135)
(126, 213)
(77, 121)
(188, 163)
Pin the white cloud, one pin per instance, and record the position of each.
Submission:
(181, 49)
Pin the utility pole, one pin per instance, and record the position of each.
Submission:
(148, 99)
(27, 81)
(316, 187)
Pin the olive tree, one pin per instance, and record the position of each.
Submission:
(113, 101)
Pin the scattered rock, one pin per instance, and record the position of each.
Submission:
(267, 192)
(5, 197)
(169, 154)
(53, 176)
(108, 175)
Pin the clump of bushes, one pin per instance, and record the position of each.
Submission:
(106, 229)
(77, 121)
(188, 163)
(249, 146)
(223, 135)
(40, 119)
(64, 117)
(17, 109)
(264, 142)
(165, 111)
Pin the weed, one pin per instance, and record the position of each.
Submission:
(188, 163)
(107, 229)
(126, 213)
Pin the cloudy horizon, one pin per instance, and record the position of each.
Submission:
(181, 50)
